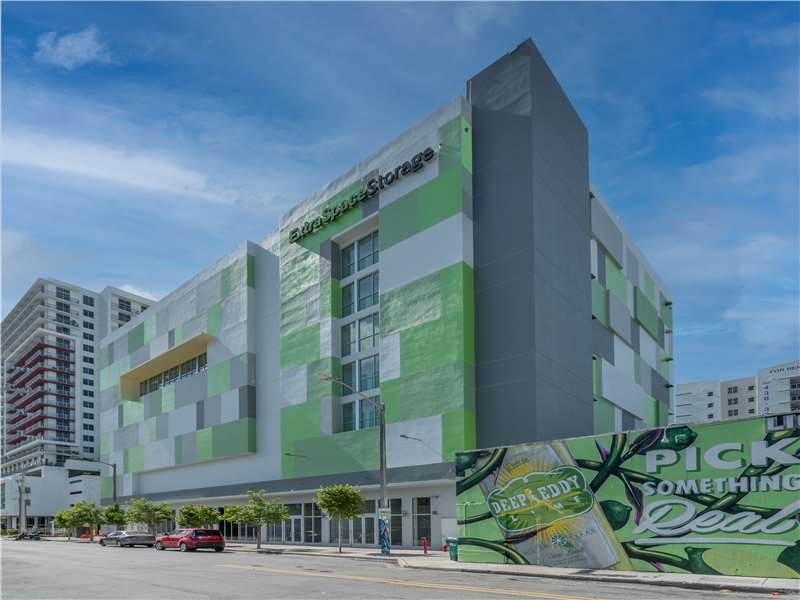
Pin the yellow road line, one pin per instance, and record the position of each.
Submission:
(417, 584)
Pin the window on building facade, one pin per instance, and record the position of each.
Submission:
(87, 404)
(88, 427)
(750, 388)
(368, 332)
(709, 394)
(752, 411)
(88, 359)
(349, 378)
(348, 300)
(732, 401)
(88, 381)
(123, 318)
(348, 416)
(348, 260)
(63, 306)
(88, 393)
(710, 405)
(62, 293)
(88, 449)
(124, 304)
(64, 330)
(368, 373)
(88, 371)
(710, 416)
(368, 250)
(368, 291)
(368, 414)
(733, 390)
(87, 415)
(733, 412)
(88, 348)
(88, 300)
(88, 313)
(88, 337)
(88, 325)
(88, 438)
(349, 339)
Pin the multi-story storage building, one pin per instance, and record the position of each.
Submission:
(773, 391)
(463, 275)
(50, 341)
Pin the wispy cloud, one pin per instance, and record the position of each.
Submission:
(781, 100)
(471, 17)
(116, 165)
(72, 50)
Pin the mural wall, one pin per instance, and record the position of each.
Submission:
(718, 499)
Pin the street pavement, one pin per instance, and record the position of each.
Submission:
(63, 570)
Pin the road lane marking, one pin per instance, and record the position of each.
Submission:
(416, 584)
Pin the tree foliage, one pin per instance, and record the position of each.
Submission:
(258, 511)
(197, 515)
(142, 510)
(341, 501)
(87, 514)
(65, 519)
(115, 515)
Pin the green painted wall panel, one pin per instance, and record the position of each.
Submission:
(251, 271)
(340, 453)
(168, 398)
(136, 338)
(645, 313)
(426, 205)
(214, 319)
(149, 329)
(599, 302)
(616, 282)
(603, 415)
(231, 439)
(650, 411)
(219, 378)
(300, 347)
(205, 444)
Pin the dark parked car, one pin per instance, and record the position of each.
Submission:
(187, 540)
(126, 539)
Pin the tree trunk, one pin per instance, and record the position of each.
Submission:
(340, 535)
(258, 537)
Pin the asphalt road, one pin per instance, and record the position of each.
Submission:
(68, 570)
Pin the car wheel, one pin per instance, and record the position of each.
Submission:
(218, 549)
(158, 546)
(183, 547)
(102, 542)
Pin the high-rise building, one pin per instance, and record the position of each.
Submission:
(773, 391)
(464, 276)
(50, 341)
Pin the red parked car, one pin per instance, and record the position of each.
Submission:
(187, 540)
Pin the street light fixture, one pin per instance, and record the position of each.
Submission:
(381, 406)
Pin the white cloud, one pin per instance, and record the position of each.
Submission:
(132, 289)
(118, 165)
(72, 50)
(781, 100)
(472, 16)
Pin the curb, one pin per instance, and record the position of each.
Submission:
(695, 585)
(326, 555)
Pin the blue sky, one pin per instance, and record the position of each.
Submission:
(153, 137)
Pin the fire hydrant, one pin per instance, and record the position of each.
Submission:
(424, 541)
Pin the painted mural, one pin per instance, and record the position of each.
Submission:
(718, 498)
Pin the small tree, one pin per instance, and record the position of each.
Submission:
(340, 501)
(115, 515)
(142, 510)
(65, 519)
(259, 511)
(87, 514)
(197, 515)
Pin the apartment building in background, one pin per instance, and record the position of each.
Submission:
(50, 372)
(464, 275)
(772, 391)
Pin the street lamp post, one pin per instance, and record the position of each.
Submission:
(382, 434)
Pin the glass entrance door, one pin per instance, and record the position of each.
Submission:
(294, 529)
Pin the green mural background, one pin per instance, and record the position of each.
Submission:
(717, 499)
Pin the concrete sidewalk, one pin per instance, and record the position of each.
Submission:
(439, 561)
(683, 580)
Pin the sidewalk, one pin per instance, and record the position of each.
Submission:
(683, 580)
(436, 560)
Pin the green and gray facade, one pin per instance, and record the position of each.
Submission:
(454, 275)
